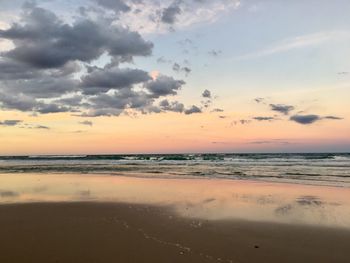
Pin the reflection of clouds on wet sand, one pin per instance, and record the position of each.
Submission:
(255, 198)
(309, 200)
(196, 198)
(284, 209)
(208, 200)
(8, 194)
(313, 209)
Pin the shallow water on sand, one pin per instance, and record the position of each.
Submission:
(211, 199)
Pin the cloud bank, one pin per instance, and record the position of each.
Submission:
(51, 67)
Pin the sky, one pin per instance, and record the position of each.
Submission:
(174, 76)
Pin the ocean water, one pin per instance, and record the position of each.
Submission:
(304, 168)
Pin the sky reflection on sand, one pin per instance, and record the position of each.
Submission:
(205, 198)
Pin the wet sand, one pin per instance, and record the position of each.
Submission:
(120, 232)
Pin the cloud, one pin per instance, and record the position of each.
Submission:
(42, 127)
(8, 194)
(276, 141)
(51, 108)
(311, 118)
(45, 41)
(170, 13)
(208, 100)
(33, 126)
(10, 122)
(332, 118)
(164, 60)
(193, 109)
(178, 68)
(215, 53)
(20, 102)
(164, 86)
(297, 42)
(52, 68)
(242, 122)
(305, 119)
(217, 110)
(260, 118)
(87, 123)
(103, 80)
(174, 106)
(116, 5)
(206, 94)
(259, 100)
(282, 108)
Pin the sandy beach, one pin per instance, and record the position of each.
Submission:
(105, 232)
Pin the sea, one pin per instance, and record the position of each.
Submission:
(331, 169)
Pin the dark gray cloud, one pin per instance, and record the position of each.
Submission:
(332, 118)
(170, 13)
(206, 94)
(311, 118)
(43, 87)
(51, 108)
(208, 99)
(33, 126)
(164, 86)
(282, 108)
(242, 122)
(261, 118)
(217, 110)
(40, 75)
(103, 80)
(12, 70)
(10, 122)
(42, 127)
(42, 40)
(186, 70)
(178, 68)
(259, 100)
(174, 106)
(17, 102)
(193, 109)
(305, 119)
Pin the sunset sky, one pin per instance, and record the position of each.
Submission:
(174, 76)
